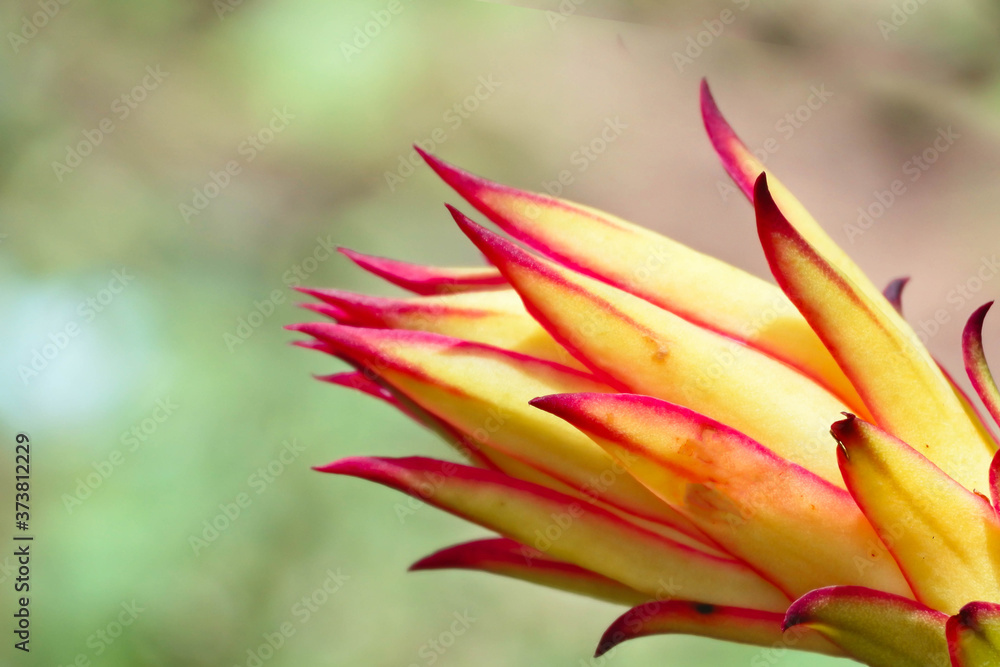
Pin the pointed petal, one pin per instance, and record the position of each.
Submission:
(944, 537)
(428, 279)
(326, 310)
(647, 350)
(874, 627)
(359, 382)
(494, 317)
(893, 293)
(483, 393)
(735, 624)
(900, 383)
(697, 287)
(744, 168)
(974, 635)
(511, 559)
(975, 362)
(569, 529)
(774, 515)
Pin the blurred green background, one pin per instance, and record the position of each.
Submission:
(166, 166)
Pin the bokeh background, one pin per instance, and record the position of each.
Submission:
(158, 99)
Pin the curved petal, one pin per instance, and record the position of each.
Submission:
(945, 538)
(873, 627)
(975, 362)
(483, 393)
(900, 383)
(735, 624)
(358, 381)
(744, 168)
(428, 279)
(495, 318)
(974, 635)
(645, 349)
(774, 515)
(508, 558)
(697, 287)
(569, 529)
(893, 293)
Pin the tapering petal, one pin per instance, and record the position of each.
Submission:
(570, 529)
(873, 627)
(893, 293)
(483, 392)
(745, 168)
(645, 349)
(974, 635)
(508, 558)
(735, 624)
(494, 317)
(359, 382)
(944, 537)
(428, 279)
(799, 531)
(697, 287)
(975, 362)
(900, 383)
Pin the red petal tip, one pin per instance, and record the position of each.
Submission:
(459, 179)
(843, 428)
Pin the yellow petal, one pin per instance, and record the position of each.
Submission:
(797, 530)
(699, 288)
(508, 558)
(483, 392)
(570, 530)
(495, 317)
(873, 627)
(644, 349)
(944, 537)
(900, 383)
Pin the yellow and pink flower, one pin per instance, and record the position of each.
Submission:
(651, 426)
